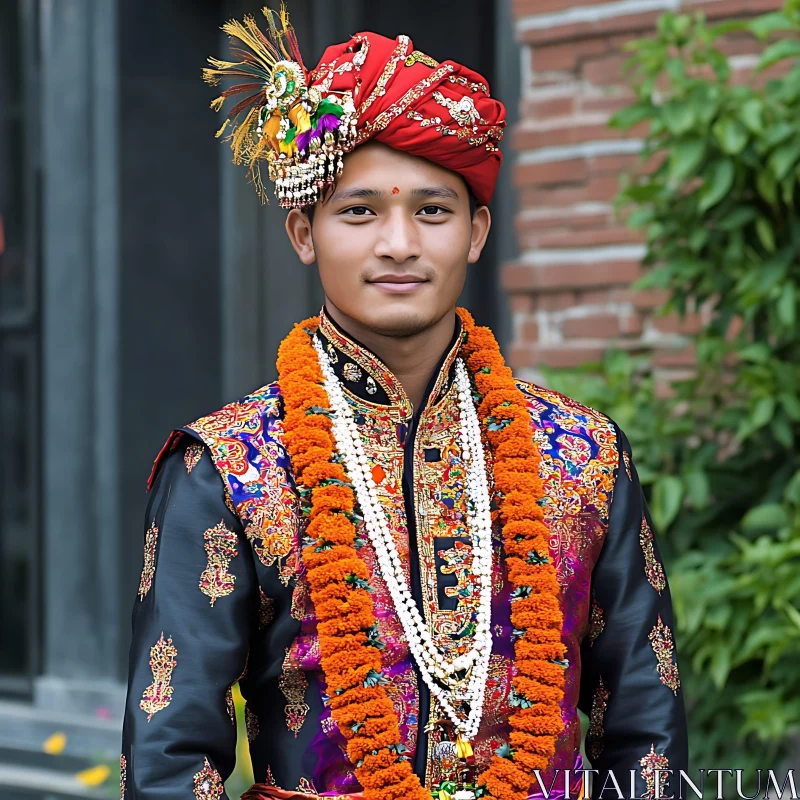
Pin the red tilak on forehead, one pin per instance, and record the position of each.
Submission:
(395, 190)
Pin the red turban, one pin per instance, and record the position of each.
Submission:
(409, 101)
(301, 123)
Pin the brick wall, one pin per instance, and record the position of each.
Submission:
(569, 290)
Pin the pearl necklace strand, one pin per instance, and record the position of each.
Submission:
(430, 660)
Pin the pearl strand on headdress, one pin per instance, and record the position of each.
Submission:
(432, 663)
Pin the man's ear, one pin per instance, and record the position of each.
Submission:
(481, 223)
(298, 228)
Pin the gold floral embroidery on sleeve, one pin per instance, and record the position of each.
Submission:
(652, 567)
(664, 648)
(627, 461)
(306, 786)
(220, 545)
(293, 684)
(650, 763)
(596, 621)
(251, 723)
(266, 609)
(123, 776)
(149, 566)
(594, 736)
(191, 456)
(157, 696)
(229, 706)
(208, 783)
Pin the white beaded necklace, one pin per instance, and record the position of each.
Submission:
(437, 672)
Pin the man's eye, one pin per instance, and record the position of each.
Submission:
(432, 211)
(358, 211)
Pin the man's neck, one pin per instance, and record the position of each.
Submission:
(411, 359)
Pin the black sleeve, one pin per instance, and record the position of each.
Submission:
(193, 618)
(630, 684)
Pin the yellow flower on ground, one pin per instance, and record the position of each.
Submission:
(54, 745)
(94, 776)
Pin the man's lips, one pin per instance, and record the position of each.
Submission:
(397, 283)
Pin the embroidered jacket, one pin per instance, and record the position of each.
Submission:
(223, 596)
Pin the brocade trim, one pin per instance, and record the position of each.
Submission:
(418, 57)
(266, 609)
(664, 648)
(157, 696)
(652, 566)
(220, 546)
(149, 565)
(293, 685)
(191, 456)
(398, 54)
(123, 776)
(208, 783)
(597, 622)
(306, 786)
(252, 724)
(473, 85)
(351, 372)
(229, 705)
(594, 736)
(626, 459)
(649, 764)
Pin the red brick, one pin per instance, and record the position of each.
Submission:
(595, 297)
(527, 138)
(714, 9)
(520, 304)
(563, 57)
(549, 172)
(561, 276)
(554, 301)
(530, 331)
(596, 326)
(673, 357)
(631, 324)
(690, 324)
(551, 223)
(649, 298)
(565, 356)
(524, 8)
(619, 163)
(590, 237)
(605, 70)
(607, 105)
(548, 107)
(602, 189)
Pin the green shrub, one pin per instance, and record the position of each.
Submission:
(719, 458)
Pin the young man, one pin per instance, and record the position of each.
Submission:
(417, 567)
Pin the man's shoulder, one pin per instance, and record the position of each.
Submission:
(227, 431)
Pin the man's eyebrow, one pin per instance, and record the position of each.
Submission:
(356, 194)
(442, 192)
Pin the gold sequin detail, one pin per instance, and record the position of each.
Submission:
(293, 684)
(157, 696)
(664, 647)
(208, 783)
(418, 57)
(473, 86)
(594, 736)
(251, 724)
(398, 54)
(652, 567)
(191, 456)
(306, 786)
(596, 621)
(266, 609)
(649, 764)
(626, 459)
(123, 776)
(149, 567)
(229, 706)
(414, 93)
(220, 546)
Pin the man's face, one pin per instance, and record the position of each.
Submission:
(393, 241)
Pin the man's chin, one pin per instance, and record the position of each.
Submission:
(395, 319)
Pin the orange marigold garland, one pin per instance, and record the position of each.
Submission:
(338, 577)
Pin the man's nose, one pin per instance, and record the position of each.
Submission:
(399, 239)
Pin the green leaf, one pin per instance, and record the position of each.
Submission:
(731, 135)
(767, 186)
(685, 157)
(784, 158)
(791, 405)
(679, 116)
(787, 305)
(698, 489)
(720, 666)
(739, 217)
(767, 24)
(762, 412)
(769, 516)
(667, 498)
(785, 48)
(632, 115)
(765, 234)
(719, 179)
(750, 113)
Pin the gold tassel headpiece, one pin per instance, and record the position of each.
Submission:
(300, 133)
